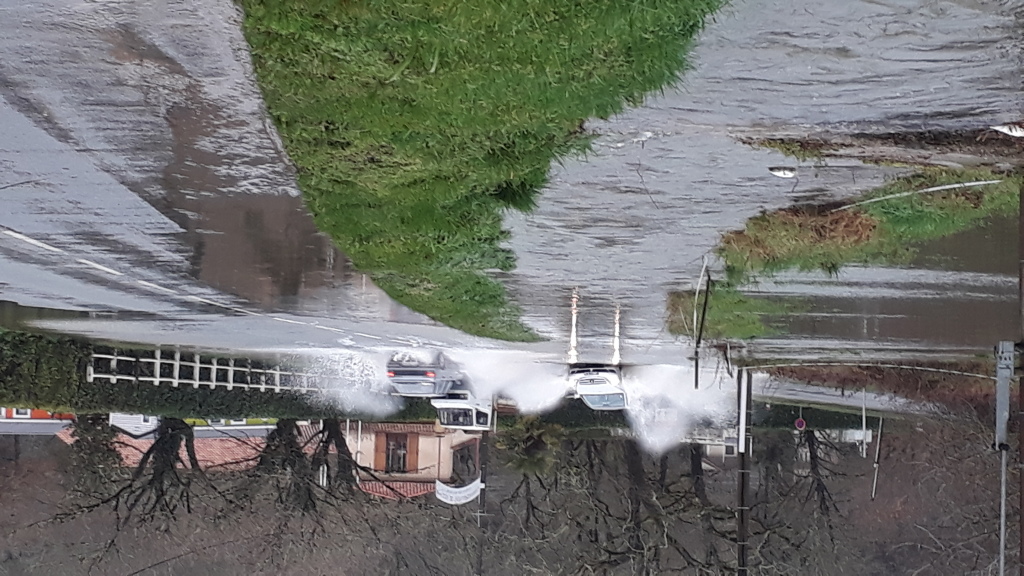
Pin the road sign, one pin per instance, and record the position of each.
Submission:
(800, 424)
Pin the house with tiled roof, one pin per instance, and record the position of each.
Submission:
(32, 422)
(398, 459)
(405, 451)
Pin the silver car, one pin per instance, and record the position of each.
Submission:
(598, 385)
(422, 374)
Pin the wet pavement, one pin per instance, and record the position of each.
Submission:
(139, 151)
(632, 221)
(163, 161)
(145, 199)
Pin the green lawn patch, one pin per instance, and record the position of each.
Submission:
(415, 125)
(731, 314)
(820, 238)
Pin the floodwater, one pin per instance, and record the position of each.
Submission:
(145, 186)
(632, 221)
(143, 179)
(146, 202)
(136, 140)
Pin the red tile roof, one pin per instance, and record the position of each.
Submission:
(400, 427)
(65, 435)
(212, 453)
(404, 489)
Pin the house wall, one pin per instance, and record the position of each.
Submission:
(433, 460)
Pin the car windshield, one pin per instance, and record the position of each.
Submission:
(455, 416)
(593, 371)
(421, 372)
(409, 360)
(605, 401)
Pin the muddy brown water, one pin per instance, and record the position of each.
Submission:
(138, 137)
(141, 134)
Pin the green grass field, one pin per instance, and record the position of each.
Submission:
(415, 125)
(731, 314)
(816, 238)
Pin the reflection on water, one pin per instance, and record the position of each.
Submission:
(555, 496)
(502, 462)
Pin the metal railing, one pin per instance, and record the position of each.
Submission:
(176, 368)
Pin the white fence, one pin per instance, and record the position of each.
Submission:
(176, 368)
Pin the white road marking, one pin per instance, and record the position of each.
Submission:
(210, 302)
(159, 288)
(36, 243)
(100, 267)
(290, 321)
(152, 286)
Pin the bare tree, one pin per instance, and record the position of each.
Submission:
(618, 511)
(798, 523)
(957, 473)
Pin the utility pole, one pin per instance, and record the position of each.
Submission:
(1020, 343)
(481, 516)
(744, 379)
(1004, 376)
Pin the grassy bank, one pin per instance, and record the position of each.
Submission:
(731, 314)
(415, 125)
(820, 238)
(802, 149)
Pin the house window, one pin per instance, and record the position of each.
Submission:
(215, 422)
(147, 420)
(22, 413)
(237, 422)
(397, 452)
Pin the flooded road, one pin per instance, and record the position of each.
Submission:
(631, 222)
(139, 152)
(137, 137)
(146, 203)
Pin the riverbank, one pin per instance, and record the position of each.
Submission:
(979, 147)
(884, 226)
(415, 127)
(869, 229)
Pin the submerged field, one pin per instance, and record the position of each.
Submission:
(415, 125)
(867, 230)
(829, 237)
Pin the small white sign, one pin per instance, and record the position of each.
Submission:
(450, 495)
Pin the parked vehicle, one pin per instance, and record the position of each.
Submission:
(598, 385)
(422, 374)
(462, 411)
